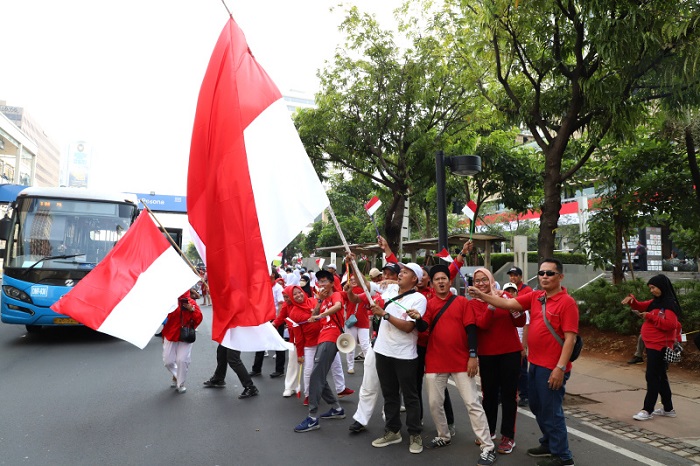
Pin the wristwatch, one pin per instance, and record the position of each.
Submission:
(563, 368)
(462, 253)
(386, 316)
(472, 354)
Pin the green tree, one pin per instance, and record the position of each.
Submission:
(578, 70)
(192, 253)
(383, 111)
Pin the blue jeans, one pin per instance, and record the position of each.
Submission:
(547, 406)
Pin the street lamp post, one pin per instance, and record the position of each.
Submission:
(460, 165)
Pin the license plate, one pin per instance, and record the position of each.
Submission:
(65, 321)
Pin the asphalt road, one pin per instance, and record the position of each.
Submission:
(71, 396)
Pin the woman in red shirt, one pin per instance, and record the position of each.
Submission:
(499, 353)
(660, 330)
(178, 354)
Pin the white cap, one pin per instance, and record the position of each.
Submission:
(331, 266)
(415, 268)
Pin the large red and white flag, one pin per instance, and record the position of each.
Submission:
(131, 291)
(470, 210)
(373, 205)
(445, 254)
(243, 140)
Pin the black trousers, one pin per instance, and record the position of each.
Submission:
(657, 382)
(449, 414)
(500, 374)
(397, 377)
(226, 356)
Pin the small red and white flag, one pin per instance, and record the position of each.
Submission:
(243, 136)
(373, 205)
(131, 291)
(470, 210)
(445, 254)
(320, 261)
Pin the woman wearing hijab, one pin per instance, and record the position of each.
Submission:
(178, 354)
(660, 330)
(499, 353)
(305, 284)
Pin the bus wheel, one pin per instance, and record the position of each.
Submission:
(33, 328)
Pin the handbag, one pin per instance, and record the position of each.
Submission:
(578, 346)
(673, 354)
(187, 334)
(351, 321)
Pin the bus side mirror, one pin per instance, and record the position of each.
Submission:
(5, 224)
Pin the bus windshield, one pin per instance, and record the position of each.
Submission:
(65, 234)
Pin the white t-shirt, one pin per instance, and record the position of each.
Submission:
(277, 296)
(391, 341)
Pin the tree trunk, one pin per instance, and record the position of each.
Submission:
(618, 276)
(692, 161)
(393, 221)
(551, 206)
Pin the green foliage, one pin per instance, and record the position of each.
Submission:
(192, 254)
(498, 260)
(600, 304)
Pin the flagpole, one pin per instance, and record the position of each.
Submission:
(347, 249)
(172, 241)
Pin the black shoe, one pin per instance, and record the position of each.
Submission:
(636, 360)
(248, 392)
(523, 403)
(356, 427)
(254, 374)
(276, 374)
(214, 383)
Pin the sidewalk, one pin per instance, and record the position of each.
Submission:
(616, 391)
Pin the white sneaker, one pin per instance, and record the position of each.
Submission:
(287, 393)
(173, 384)
(642, 416)
(181, 389)
(661, 412)
(351, 371)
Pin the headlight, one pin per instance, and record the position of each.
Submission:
(16, 293)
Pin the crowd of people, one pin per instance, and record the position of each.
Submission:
(413, 331)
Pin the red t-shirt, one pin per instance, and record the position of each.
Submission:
(562, 313)
(660, 328)
(306, 334)
(496, 330)
(429, 293)
(171, 329)
(332, 325)
(448, 346)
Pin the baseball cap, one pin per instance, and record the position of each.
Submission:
(374, 273)
(415, 268)
(439, 268)
(396, 268)
(332, 266)
(508, 286)
(515, 270)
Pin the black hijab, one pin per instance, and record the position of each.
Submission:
(668, 298)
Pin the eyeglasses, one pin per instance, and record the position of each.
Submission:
(549, 273)
(323, 282)
(482, 281)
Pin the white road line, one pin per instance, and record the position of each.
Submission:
(596, 440)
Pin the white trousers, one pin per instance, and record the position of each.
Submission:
(290, 378)
(176, 357)
(469, 392)
(336, 370)
(369, 391)
(362, 338)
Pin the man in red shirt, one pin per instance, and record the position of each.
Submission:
(515, 274)
(333, 322)
(452, 351)
(549, 361)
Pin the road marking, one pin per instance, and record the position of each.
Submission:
(596, 440)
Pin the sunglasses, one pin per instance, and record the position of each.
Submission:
(549, 273)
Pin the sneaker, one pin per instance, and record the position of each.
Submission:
(539, 451)
(523, 403)
(642, 416)
(556, 461)
(635, 360)
(334, 414)
(249, 392)
(661, 412)
(346, 392)
(213, 383)
(506, 446)
(487, 457)
(356, 427)
(181, 389)
(307, 424)
(287, 393)
(351, 371)
(254, 373)
(402, 409)
(389, 438)
(415, 444)
(306, 401)
(173, 383)
(274, 375)
(452, 429)
(438, 442)
(478, 441)
(360, 357)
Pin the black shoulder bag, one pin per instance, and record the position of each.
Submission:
(442, 311)
(578, 346)
(187, 334)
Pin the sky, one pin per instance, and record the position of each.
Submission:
(125, 76)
